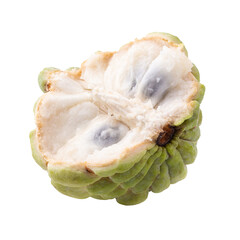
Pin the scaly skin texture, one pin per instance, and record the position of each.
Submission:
(130, 181)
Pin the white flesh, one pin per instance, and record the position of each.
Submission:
(113, 98)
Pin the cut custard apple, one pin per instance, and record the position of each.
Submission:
(124, 124)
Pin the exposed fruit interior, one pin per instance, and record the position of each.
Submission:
(114, 107)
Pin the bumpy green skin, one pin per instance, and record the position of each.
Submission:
(130, 182)
(35, 151)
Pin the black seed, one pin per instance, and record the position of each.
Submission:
(152, 86)
(133, 85)
(107, 136)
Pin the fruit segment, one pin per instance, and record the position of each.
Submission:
(123, 124)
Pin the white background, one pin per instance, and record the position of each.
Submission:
(38, 34)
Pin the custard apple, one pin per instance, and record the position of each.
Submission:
(123, 124)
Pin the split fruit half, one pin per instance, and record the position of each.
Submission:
(124, 124)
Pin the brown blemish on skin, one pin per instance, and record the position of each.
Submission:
(165, 136)
(89, 170)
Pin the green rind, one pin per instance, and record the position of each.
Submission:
(170, 37)
(98, 197)
(176, 166)
(135, 180)
(43, 77)
(193, 121)
(120, 166)
(125, 176)
(200, 118)
(104, 185)
(188, 151)
(181, 123)
(191, 134)
(119, 191)
(195, 72)
(37, 156)
(76, 192)
(200, 94)
(148, 179)
(131, 198)
(71, 177)
(162, 181)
